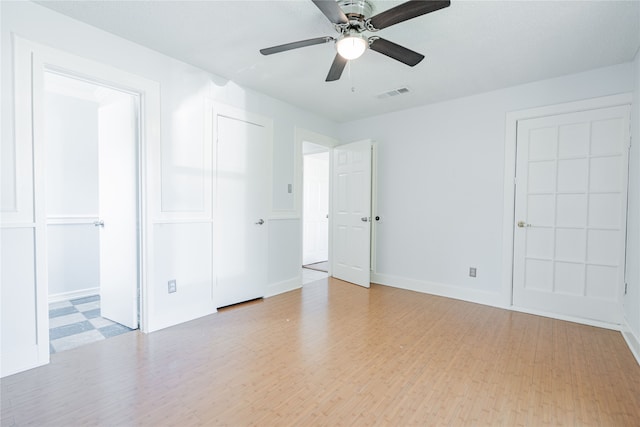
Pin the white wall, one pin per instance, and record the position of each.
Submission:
(440, 183)
(632, 299)
(71, 128)
(185, 92)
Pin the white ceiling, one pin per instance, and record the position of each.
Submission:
(470, 47)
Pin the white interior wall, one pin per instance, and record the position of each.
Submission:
(315, 234)
(71, 127)
(632, 299)
(440, 183)
(177, 222)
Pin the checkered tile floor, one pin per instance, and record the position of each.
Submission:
(77, 322)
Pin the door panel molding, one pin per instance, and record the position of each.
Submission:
(512, 119)
(351, 212)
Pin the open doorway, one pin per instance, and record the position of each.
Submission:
(91, 166)
(315, 211)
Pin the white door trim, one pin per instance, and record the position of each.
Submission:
(302, 135)
(29, 75)
(508, 218)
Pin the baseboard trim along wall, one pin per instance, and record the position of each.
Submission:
(64, 296)
(284, 286)
(633, 342)
(439, 289)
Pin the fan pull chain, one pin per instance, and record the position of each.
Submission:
(353, 88)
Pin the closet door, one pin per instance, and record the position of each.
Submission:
(243, 184)
(571, 199)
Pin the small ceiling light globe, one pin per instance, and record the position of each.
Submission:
(351, 47)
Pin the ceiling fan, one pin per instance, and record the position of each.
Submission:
(351, 43)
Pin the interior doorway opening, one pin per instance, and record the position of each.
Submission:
(91, 135)
(315, 211)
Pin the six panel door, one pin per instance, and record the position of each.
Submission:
(352, 213)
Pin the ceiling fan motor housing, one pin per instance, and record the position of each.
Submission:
(357, 11)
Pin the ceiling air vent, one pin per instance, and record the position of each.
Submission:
(394, 92)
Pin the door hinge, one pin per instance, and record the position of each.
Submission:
(626, 286)
(515, 180)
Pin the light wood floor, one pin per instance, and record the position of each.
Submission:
(336, 354)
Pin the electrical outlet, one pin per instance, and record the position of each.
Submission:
(472, 272)
(172, 286)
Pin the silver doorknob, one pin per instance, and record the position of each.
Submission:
(260, 221)
(364, 219)
(523, 224)
(98, 223)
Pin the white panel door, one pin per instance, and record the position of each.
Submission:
(351, 213)
(243, 159)
(571, 213)
(315, 236)
(118, 201)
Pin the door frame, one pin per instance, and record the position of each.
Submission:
(302, 135)
(303, 196)
(32, 60)
(509, 199)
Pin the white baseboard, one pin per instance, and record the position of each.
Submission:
(284, 286)
(633, 342)
(433, 288)
(64, 296)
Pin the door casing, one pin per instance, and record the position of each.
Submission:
(302, 135)
(32, 60)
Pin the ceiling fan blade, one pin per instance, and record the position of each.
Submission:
(336, 68)
(395, 51)
(295, 45)
(405, 11)
(332, 11)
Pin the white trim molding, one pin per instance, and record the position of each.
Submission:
(633, 342)
(31, 61)
(278, 288)
(81, 293)
(439, 289)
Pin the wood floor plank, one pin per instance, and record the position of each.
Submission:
(337, 354)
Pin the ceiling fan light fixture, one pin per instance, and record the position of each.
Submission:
(352, 46)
